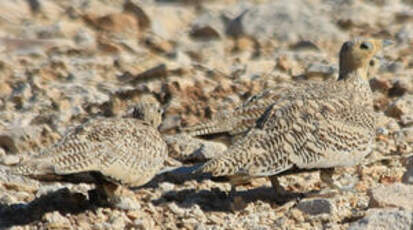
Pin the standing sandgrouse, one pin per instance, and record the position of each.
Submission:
(239, 120)
(320, 125)
(107, 152)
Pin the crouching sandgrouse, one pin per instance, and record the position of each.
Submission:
(112, 153)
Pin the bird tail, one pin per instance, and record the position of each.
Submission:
(206, 128)
(32, 167)
(224, 165)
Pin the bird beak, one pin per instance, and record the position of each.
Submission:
(386, 43)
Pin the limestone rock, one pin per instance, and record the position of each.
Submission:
(394, 195)
(402, 106)
(55, 220)
(9, 159)
(384, 219)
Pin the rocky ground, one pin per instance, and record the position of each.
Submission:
(63, 62)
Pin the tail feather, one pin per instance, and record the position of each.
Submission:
(209, 127)
(234, 122)
(33, 167)
(224, 165)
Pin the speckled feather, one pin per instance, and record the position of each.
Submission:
(125, 151)
(322, 125)
(244, 117)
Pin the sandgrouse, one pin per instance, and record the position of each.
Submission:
(318, 125)
(108, 152)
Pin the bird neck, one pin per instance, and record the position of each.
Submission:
(356, 81)
(352, 74)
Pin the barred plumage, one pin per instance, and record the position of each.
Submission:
(122, 151)
(318, 125)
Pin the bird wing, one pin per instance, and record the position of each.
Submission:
(121, 150)
(244, 117)
(304, 132)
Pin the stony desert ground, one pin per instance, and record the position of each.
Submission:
(64, 62)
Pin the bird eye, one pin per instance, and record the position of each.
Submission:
(365, 46)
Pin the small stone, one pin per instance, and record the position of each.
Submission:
(176, 209)
(9, 159)
(159, 71)
(204, 33)
(144, 223)
(400, 87)
(298, 215)
(406, 120)
(158, 44)
(380, 84)
(407, 134)
(56, 220)
(402, 106)
(316, 206)
(304, 45)
(166, 186)
(408, 175)
(320, 71)
(117, 222)
(7, 199)
(127, 203)
(114, 23)
(393, 195)
(384, 219)
(200, 227)
(284, 63)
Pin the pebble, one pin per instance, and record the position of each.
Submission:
(393, 195)
(316, 206)
(176, 209)
(56, 221)
(402, 106)
(408, 175)
(127, 203)
(166, 187)
(9, 159)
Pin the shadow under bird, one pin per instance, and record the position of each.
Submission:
(313, 126)
(110, 152)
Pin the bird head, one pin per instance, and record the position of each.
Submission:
(356, 54)
(149, 109)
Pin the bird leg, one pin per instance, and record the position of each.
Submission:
(281, 193)
(233, 191)
(109, 194)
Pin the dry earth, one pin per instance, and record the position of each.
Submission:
(63, 62)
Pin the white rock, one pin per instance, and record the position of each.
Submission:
(56, 220)
(9, 159)
(394, 195)
(375, 219)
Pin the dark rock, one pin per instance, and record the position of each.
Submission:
(316, 206)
